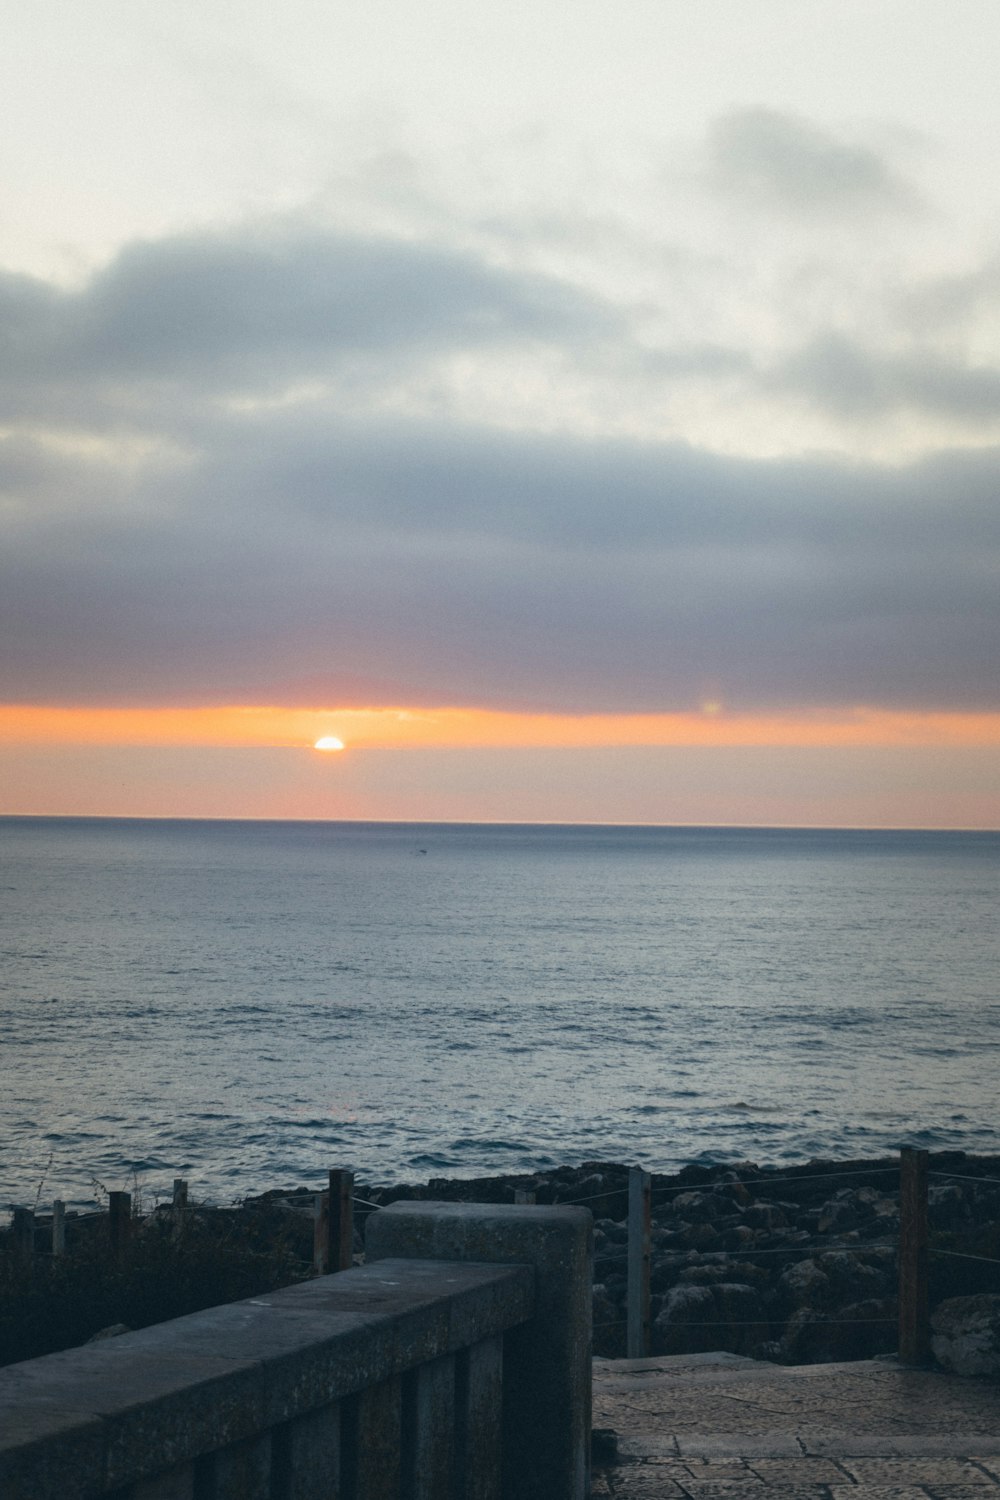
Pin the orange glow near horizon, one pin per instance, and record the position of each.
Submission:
(457, 728)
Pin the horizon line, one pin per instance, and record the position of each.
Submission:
(506, 823)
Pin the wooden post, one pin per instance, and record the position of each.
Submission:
(58, 1227)
(341, 1238)
(179, 1207)
(639, 1244)
(22, 1232)
(321, 1233)
(119, 1223)
(914, 1319)
(523, 1195)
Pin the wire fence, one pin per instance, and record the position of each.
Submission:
(905, 1186)
(961, 1177)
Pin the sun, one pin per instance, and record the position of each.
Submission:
(328, 742)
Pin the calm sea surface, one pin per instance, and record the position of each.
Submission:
(247, 1004)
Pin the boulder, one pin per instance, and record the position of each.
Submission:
(842, 1212)
(740, 1237)
(855, 1331)
(696, 1319)
(804, 1284)
(740, 1307)
(677, 1330)
(852, 1278)
(765, 1216)
(609, 1324)
(966, 1334)
(699, 1208)
(947, 1205)
(700, 1237)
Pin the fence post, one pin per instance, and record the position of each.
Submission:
(914, 1320)
(178, 1209)
(119, 1223)
(58, 1227)
(340, 1238)
(321, 1233)
(23, 1233)
(639, 1243)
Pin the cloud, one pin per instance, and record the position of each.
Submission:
(783, 161)
(233, 471)
(958, 303)
(247, 312)
(843, 377)
(308, 559)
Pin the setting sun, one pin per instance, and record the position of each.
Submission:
(328, 742)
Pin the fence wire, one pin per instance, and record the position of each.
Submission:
(819, 1322)
(721, 1189)
(987, 1260)
(959, 1177)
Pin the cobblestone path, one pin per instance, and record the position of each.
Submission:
(718, 1427)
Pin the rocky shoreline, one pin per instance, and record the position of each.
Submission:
(793, 1264)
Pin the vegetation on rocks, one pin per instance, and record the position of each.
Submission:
(49, 1303)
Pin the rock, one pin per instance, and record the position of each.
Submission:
(613, 1232)
(765, 1216)
(700, 1237)
(851, 1277)
(694, 1172)
(740, 1237)
(699, 1208)
(947, 1205)
(713, 1273)
(740, 1306)
(666, 1271)
(966, 1334)
(611, 1266)
(597, 1192)
(676, 1329)
(731, 1187)
(842, 1211)
(697, 1319)
(881, 1204)
(804, 1284)
(609, 1325)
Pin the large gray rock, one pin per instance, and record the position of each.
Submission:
(608, 1323)
(697, 1319)
(699, 1208)
(804, 1284)
(966, 1334)
(677, 1329)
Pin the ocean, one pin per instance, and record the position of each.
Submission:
(246, 1004)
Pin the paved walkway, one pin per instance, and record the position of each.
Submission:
(719, 1427)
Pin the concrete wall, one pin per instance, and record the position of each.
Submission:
(406, 1377)
(547, 1385)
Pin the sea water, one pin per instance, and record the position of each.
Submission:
(246, 1004)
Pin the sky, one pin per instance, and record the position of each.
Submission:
(583, 412)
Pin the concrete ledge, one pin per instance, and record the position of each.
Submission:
(547, 1363)
(95, 1419)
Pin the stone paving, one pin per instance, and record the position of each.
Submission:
(719, 1427)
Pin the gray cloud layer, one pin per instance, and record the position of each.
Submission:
(780, 160)
(168, 537)
(234, 314)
